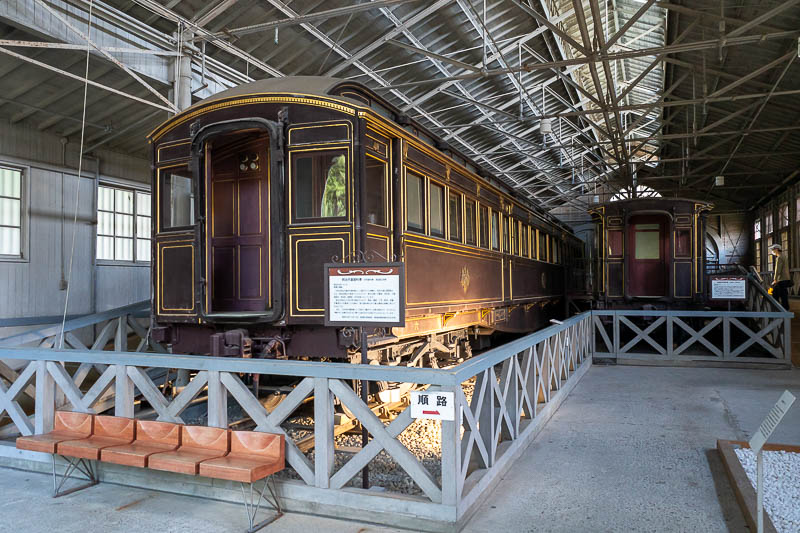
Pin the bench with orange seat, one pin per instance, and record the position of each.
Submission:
(151, 438)
(244, 456)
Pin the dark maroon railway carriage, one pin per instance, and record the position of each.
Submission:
(257, 187)
(650, 251)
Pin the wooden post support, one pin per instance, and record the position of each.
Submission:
(217, 401)
(451, 454)
(323, 433)
(123, 401)
(45, 403)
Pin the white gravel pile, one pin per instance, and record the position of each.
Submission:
(781, 486)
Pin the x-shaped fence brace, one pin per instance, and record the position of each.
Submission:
(499, 405)
(767, 332)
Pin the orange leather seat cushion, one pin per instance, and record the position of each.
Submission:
(240, 467)
(253, 456)
(151, 437)
(198, 443)
(184, 460)
(67, 426)
(108, 431)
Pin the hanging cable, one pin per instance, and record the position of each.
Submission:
(78, 185)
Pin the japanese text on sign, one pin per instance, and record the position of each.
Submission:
(364, 295)
(729, 288)
(433, 405)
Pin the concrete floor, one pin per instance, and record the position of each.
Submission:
(631, 449)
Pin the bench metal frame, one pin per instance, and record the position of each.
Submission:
(74, 464)
(252, 505)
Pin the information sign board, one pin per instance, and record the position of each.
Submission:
(365, 294)
(435, 405)
(728, 288)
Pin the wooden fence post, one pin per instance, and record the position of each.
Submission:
(45, 403)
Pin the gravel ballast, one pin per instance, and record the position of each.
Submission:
(781, 486)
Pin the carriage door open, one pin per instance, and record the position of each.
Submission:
(238, 222)
(647, 256)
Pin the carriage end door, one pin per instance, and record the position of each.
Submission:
(647, 256)
(238, 223)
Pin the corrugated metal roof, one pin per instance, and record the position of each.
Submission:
(427, 58)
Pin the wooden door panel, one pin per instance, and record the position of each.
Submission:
(648, 256)
(250, 280)
(238, 245)
(223, 208)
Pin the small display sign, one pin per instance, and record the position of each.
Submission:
(771, 422)
(433, 405)
(365, 294)
(728, 288)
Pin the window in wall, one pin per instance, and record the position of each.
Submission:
(768, 224)
(505, 221)
(783, 215)
(415, 202)
(785, 241)
(320, 185)
(375, 171)
(177, 199)
(123, 224)
(542, 239)
(495, 230)
(10, 212)
(757, 229)
(484, 227)
(436, 199)
(454, 207)
(758, 256)
(797, 209)
(470, 235)
(524, 240)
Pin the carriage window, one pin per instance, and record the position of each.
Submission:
(177, 199)
(415, 202)
(469, 223)
(375, 171)
(495, 230)
(542, 238)
(534, 243)
(484, 227)
(320, 185)
(647, 241)
(455, 216)
(437, 210)
(505, 235)
(524, 240)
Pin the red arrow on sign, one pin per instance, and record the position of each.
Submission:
(431, 413)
